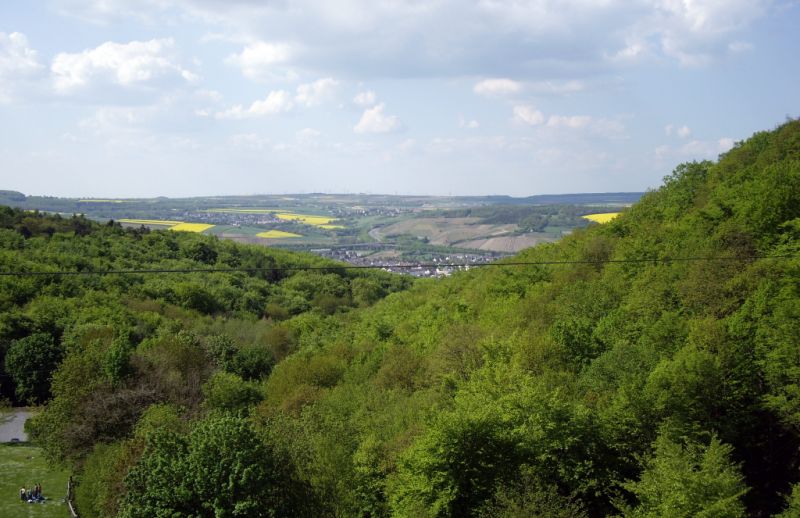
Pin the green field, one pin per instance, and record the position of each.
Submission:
(22, 465)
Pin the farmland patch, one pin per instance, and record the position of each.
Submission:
(603, 217)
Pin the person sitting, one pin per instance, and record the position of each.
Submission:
(22, 494)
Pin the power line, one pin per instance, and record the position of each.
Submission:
(665, 260)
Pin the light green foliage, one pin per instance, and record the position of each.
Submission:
(793, 504)
(501, 422)
(689, 387)
(220, 469)
(688, 479)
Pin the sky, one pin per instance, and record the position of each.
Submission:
(140, 98)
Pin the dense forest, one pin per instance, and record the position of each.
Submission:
(646, 367)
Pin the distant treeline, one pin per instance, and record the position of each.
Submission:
(599, 198)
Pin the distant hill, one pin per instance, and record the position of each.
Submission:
(602, 198)
(8, 197)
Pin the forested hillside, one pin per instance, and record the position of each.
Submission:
(615, 378)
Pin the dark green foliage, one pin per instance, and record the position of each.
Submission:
(229, 392)
(30, 362)
(253, 362)
(527, 497)
(101, 483)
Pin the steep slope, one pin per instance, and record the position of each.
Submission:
(646, 367)
(578, 379)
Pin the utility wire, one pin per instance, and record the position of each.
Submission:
(665, 260)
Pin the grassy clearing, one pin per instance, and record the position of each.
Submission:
(447, 231)
(159, 222)
(276, 234)
(22, 465)
(603, 217)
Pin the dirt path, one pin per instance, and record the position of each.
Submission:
(375, 234)
(12, 424)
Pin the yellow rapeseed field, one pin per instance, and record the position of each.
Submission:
(173, 225)
(304, 218)
(192, 227)
(276, 234)
(604, 217)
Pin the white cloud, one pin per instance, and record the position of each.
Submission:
(406, 37)
(373, 120)
(694, 150)
(468, 124)
(18, 63)
(572, 122)
(740, 46)
(108, 120)
(105, 11)
(307, 136)
(282, 101)
(125, 64)
(249, 141)
(693, 33)
(260, 60)
(681, 132)
(208, 95)
(725, 144)
(527, 114)
(365, 99)
(278, 101)
(556, 87)
(316, 93)
(497, 87)
(630, 53)
(610, 128)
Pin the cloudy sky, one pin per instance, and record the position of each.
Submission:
(130, 98)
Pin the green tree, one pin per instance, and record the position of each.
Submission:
(688, 479)
(222, 469)
(30, 363)
(229, 392)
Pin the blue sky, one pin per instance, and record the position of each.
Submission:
(125, 98)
